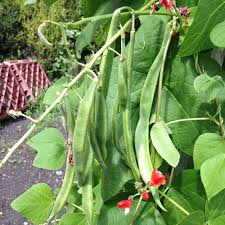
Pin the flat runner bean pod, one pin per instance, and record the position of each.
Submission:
(81, 130)
(101, 122)
(130, 154)
(142, 129)
(65, 189)
(122, 75)
(87, 191)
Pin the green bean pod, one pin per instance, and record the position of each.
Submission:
(126, 114)
(64, 191)
(80, 135)
(95, 146)
(142, 129)
(87, 191)
(122, 75)
(101, 122)
(107, 57)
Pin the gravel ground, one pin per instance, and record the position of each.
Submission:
(19, 174)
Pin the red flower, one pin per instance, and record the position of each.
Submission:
(145, 196)
(167, 3)
(157, 178)
(126, 205)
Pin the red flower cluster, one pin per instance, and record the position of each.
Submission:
(157, 179)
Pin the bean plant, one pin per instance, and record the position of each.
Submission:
(143, 120)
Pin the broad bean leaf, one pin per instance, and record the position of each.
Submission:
(73, 218)
(35, 204)
(50, 148)
(195, 218)
(217, 221)
(189, 185)
(174, 215)
(188, 3)
(163, 144)
(208, 87)
(217, 35)
(208, 14)
(207, 146)
(147, 214)
(213, 175)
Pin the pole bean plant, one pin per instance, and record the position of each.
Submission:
(145, 135)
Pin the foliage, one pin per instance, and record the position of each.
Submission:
(164, 137)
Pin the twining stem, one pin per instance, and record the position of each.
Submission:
(188, 119)
(86, 68)
(171, 177)
(174, 203)
(72, 25)
(136, 210)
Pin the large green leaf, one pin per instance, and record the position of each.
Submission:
(213, 175)
(215, 207)
(50, 148)
(195, 218)
(217, 35)
(207, 146)
(208, 14)
(163, 144)
(35, 204)
(208, 87)
(73, 219)
(217, 221)
(189, 185)
(174, 215)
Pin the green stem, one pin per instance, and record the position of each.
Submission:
(186, 120)
(174, 203)
(171, 177)
(136, 210)
(71, 25)
(76, 206)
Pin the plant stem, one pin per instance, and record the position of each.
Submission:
(186, 120)
(136, 209)
(78, 207)
(71, 25)
(171, 177)
(174, 203)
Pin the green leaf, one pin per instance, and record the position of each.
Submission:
(217, 221)
(115, 175)
(29, 2)
(180, 100)
(217, 35)
(195, 218)
(208, 14)
(174, 215)
(207, 146)
(50, 148)
(51, 93)
(215, 207)
(35, 204)
(73, 219)
(213, 175)
(163, 144)
(189, 185)
(208, 87)
(48, 3)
